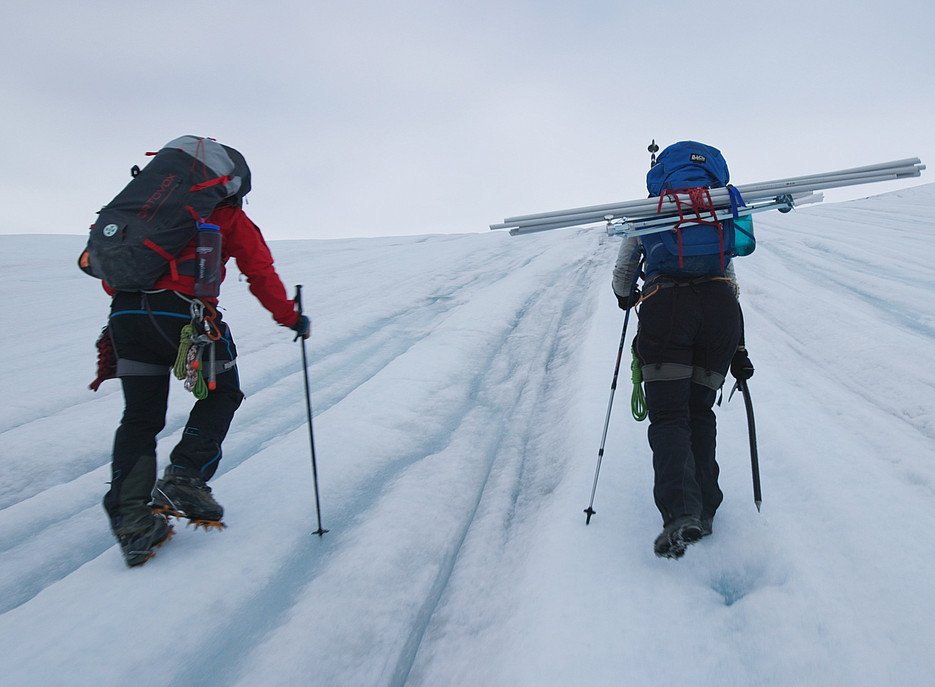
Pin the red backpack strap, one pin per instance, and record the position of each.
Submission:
(168, 256)
(211, 182)
(699, 202)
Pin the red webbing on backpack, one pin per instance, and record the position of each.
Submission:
(200, 157)
(699, 202)
(211, 182)
(173, 265)
(168, 256)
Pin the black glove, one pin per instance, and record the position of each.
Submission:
(626, 303)
(302, 327)
(741, 367)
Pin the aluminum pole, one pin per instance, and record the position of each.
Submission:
(907, 164)
(720, 197)
(647, 208)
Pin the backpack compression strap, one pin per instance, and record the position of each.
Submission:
(173, 263)
(211, 182)
(165, 254)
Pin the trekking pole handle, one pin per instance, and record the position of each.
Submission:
(300, 332)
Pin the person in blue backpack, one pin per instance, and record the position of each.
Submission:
(689, 336)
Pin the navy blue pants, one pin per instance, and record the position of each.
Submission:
(688, 334)
(145, 329)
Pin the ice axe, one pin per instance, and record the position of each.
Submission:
(751, 430)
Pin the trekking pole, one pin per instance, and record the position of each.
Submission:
(751, 429)
(613, 387)
(308, 407)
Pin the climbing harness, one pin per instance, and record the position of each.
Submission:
(657, 284)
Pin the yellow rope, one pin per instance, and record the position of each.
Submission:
(181, 360)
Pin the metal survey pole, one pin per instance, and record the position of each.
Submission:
(721, 197)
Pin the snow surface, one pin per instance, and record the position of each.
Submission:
(459, 384)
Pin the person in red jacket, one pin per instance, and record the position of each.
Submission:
(146, 330)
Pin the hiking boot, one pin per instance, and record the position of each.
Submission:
(138, 541)
(677, 535)
(187, 497)
(707, 526)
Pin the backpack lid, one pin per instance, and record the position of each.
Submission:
(222, 160)
(242, 171)
(687, 164)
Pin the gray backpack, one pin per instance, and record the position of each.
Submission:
(140, 233)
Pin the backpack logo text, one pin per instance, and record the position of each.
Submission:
(157, 199)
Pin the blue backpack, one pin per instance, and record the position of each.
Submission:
(691, 249)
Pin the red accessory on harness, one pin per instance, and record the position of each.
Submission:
(106, 360)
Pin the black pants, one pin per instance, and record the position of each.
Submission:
(145, 329)
(687, 336)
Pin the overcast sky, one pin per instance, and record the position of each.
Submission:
(368, 118)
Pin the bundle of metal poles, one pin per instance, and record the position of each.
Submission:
(643, 216)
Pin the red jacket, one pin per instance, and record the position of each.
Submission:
(240, 239)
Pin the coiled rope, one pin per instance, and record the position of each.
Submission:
(638, 398)
(188, 363)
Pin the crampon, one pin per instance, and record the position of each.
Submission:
(197, 522)
(159, 545)
(137, 562)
